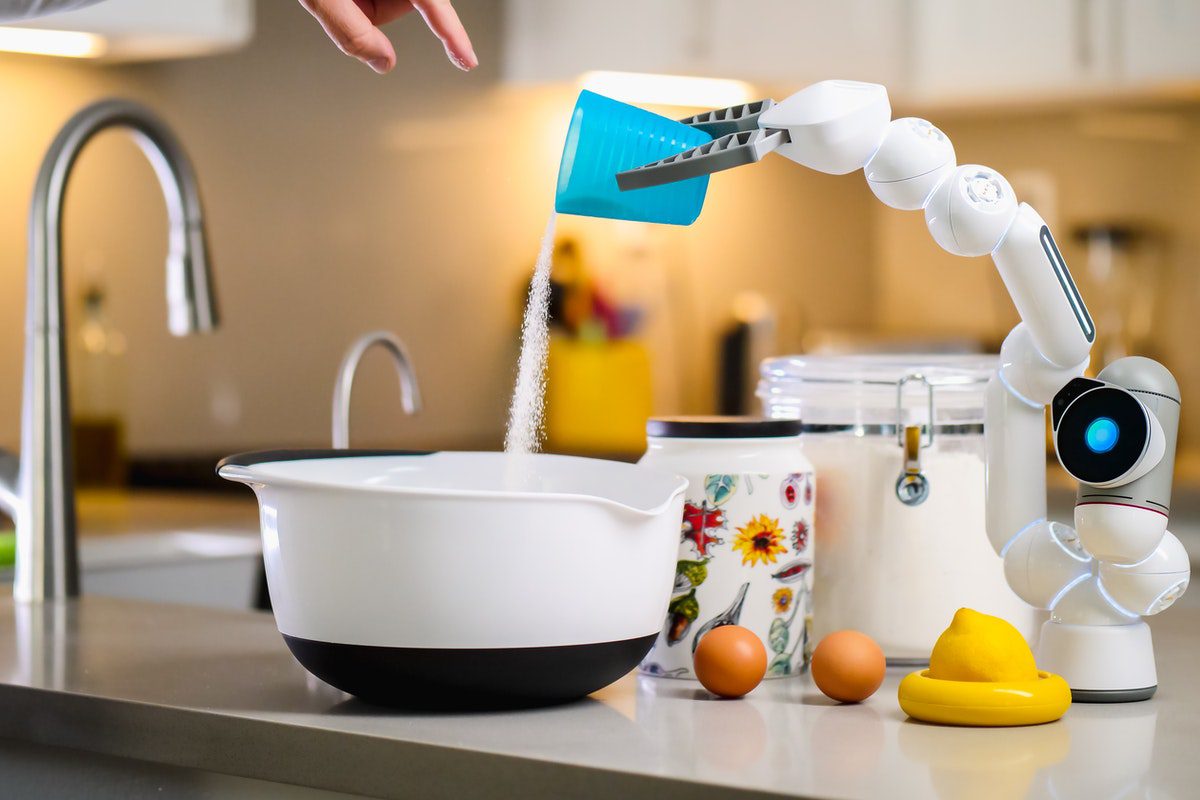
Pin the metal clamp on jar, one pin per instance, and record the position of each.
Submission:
(897, 444)
(912, 487)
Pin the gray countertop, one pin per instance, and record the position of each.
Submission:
(218, 691)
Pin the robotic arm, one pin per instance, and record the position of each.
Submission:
(1115, 434)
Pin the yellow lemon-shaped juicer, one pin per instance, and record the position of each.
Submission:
(984, 703)
(981, 672)
(979, 647)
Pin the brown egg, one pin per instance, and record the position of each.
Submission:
(848, 666)
(730, 661)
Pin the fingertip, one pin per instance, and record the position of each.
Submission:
(443, 20)
(468, 54)
(381, 58)
(461, 57)
(462, 62)
(381, 66)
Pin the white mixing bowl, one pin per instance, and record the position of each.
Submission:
(429, 577)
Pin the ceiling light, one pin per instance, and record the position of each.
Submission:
(670, 90)
(38, 41)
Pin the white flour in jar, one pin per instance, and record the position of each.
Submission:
(895, 572)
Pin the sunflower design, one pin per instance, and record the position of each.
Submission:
(761, 540)
(782, 600)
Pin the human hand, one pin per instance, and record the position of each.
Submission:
(353, 25)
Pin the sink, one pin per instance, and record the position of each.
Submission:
(217, 569)
(169, 546)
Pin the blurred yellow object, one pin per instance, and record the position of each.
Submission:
(598, 396)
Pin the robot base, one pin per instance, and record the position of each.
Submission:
(1101, 663)
(1112, 695)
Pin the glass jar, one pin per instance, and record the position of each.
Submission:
(897, 441)
(745, 551)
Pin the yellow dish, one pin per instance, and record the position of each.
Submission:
(984, 703)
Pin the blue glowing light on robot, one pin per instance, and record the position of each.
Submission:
(1101, 435)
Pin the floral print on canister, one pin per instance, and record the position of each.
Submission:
(782, 600)
(760, 540)
(699, 519)
(745, 558)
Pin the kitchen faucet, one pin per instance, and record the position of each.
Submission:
(410, 393)
(37, 489)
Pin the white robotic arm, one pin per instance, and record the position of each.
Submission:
(1122, 563)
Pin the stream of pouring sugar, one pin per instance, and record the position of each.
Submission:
(525, 415)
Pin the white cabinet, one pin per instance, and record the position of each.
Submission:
(793, 43)
(980, 50)
(785, 42)
(930, 51)
(139, 30)
(1159, 41)
(557, 40)
(972, 50)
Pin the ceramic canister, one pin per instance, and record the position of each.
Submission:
(745, 546)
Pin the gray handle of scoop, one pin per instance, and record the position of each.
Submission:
(727, 152)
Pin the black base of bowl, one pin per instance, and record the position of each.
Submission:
(516, 677)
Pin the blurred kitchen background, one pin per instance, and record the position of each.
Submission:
(341, 202)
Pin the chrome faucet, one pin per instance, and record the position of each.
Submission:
(38, 488)
(410, 393)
